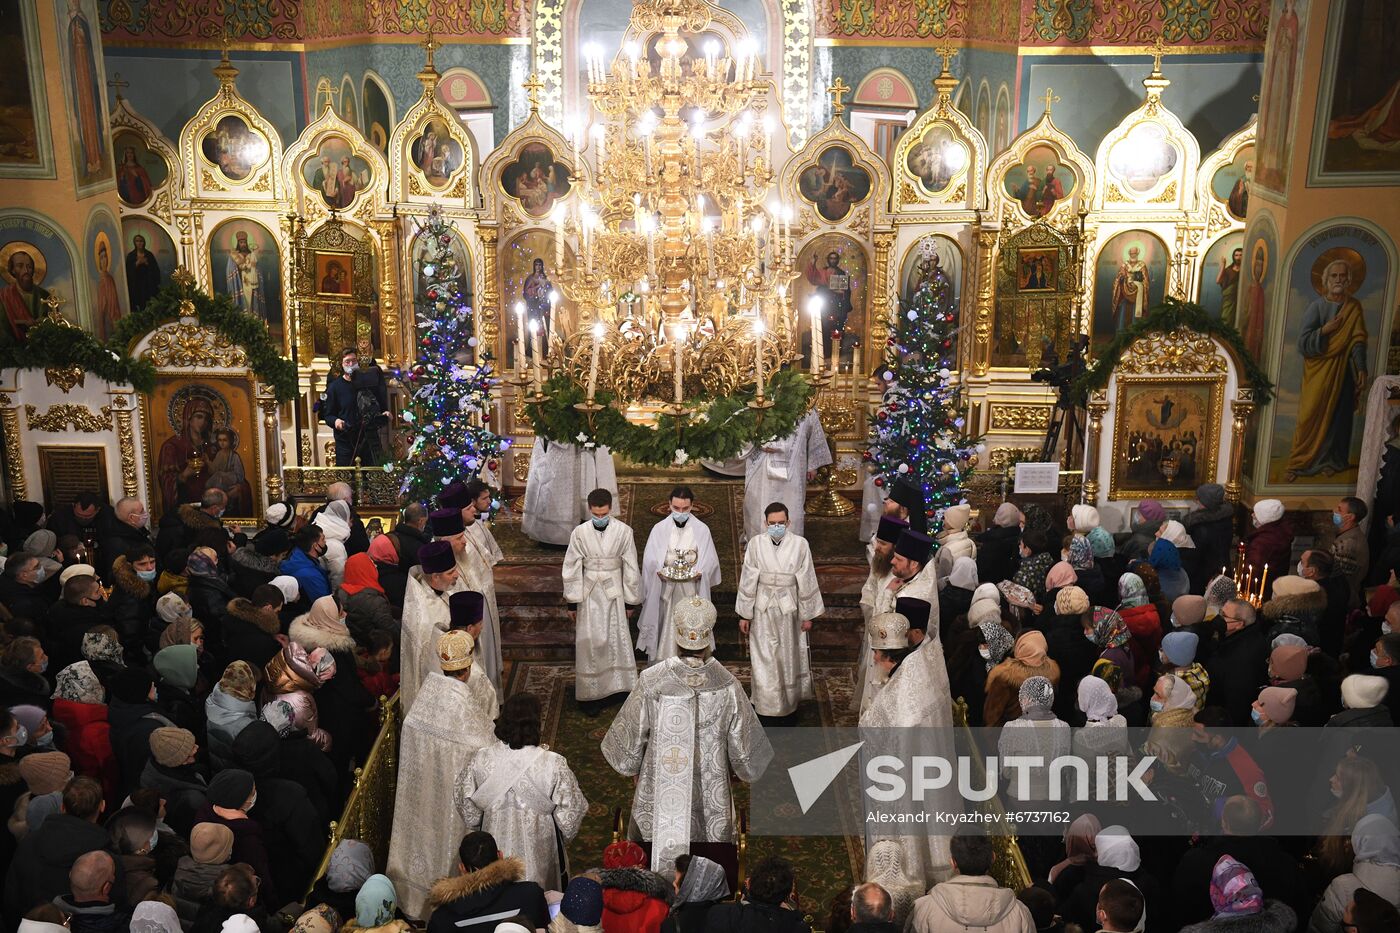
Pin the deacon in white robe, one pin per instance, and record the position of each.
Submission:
(445, 728)
(476, 560)
(680, 537)
(777, 470)
(913, 698)
(523, 794)
(680, 733)
(777, 600)
(602, 579)
(426, 615)
(556, 495)
(915, 578)
(876, 593)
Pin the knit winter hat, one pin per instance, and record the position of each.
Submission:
(583, 902)
(957, 517)
(272, 541)
(239, 923)
(1364, 691)
(211, 843)
(280, 514)
(624, 854)
(171, 746)
(1233, 890)
(45, 772)
(1267, 510)
(1188, 610)
(239, 681)
(76, 570)
(172, 608)
(31, 717)
(1278, 703)
(1288, 662)
(983, 611)
(1071, 601)
(1289, 585)
(1151, 510)
(1180, 647)
(1210, 494)
(178, 666)
(1007, 515)
(230, 788)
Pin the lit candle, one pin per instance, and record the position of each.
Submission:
(535, 352)
(599, 133)
(651, 245)
(558, 215)
(520, 339)
(857, 374)
(1263, 577)
(758, 355)
(814, 309)
(678, 353)
(598, 330)
(769, 125)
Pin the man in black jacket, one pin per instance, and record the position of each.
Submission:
(764, 909)
(82, 519)
(486, 885)
(39, 871)
(1319, 566)
(120, 531)
(1276, 871)
(413, 534)
(354, 430)
(1238, 668)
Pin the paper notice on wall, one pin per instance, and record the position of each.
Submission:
(1037, 477)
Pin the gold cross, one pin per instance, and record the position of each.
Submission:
(53, 303)
(675, 762)
(947, 53)
(118, 83)
(430, 45)
(837, 91)
(1049, 98)
(532, 91)
(1159, 49)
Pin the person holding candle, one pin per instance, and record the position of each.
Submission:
(779, 471)
(1269, 542)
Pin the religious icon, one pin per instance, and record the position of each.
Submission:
(151, 256)
(234, 147)
(245, 266)
(1040, 181)
(336, 173)
(1256, 285)
(436, 153)
(19, 137)
(982, 118)
(835, 183)
(1336, 287)
(377, 117)
(1143, 157)
(1282, 56)
(335, 274)
(528, 280)
(937, 158)
(425, 252)
(348, 111)
(834, 271)
(23, 297)
(1037, 269)
(1001, 129)
(1129, 281)
(109, 303)
(1165, 436)
(196, 426)
(34, 263)
(536, 179)
(139, 170)
(933, 263)
(1221, 271)
(91, 157)
(1231, 183)
(1363, 99)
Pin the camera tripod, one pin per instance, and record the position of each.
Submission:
(1064, 418)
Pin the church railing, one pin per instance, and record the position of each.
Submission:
(374, 487)
(369, 812)
(1009, 869)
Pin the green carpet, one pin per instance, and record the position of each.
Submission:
(827, 866)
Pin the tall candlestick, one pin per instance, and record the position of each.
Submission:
(535, 353)
(814, 310)
(651, 250)
(857, 374)
(520, 339)
(709, 227)
(758, 355)
(678, 354)
(598, 330)
(558, 215)
(1263, 577)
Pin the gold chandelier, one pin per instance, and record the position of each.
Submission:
(683, 257)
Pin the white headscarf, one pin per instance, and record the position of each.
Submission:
(335, 521)
(1175, 532)
(1116, 849)
(964, 574)
(291, 589)
(1096, 699)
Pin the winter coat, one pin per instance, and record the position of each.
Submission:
(227, 716)
(1299, 615)
(39, 871)
(1276, 871)
(67, 624)
(1145, 628)
(209, 598)
(1270, 544)
(138, 875)
(367, 610)
(28, 602)
(410, 540)
(183, 788)
(496, 889)
(1276, 917)
(131, 606)
(970, 902)
(1237, 669)
(250, 569)
(395, 582)
(1075, 654)
(250, 633)
(114, 539)
(1212, 530)
(1355, 718)
(743, 918)
(22, 687)
(248, 847)
(93, 917)
(310, 577)
(1003, 702)
(998, 553)
(1083, 884)
(638, 901)
(131, 728)
(293, 830)
(88, 742)
(193, 887)
(346, 709)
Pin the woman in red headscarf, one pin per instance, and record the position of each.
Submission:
(362, 595)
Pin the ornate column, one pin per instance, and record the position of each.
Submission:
(122, 407)
(881, 314)
(1098, 404)
(1241, 408)
(273, 438)
(388, 310)
(980, 359)
(14, 452)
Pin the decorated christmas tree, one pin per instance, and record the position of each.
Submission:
(449, 384)
(918, 433)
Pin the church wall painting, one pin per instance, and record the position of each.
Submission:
(1278, 97)
(1001, 123)
(1165, 437)
(1042, 180)
(246, 265)
(140, 172)
(1256, 284)
(1130, 279)
(200, 433)
(1357, 136)
(336, 173)
(349, 109)
(234, 148)
(36, 262)
(1230, 184)
(536, 178)
(437, 155)
(25, 147)
(529, 274)
(1221, 277)
(982, 118)
(1142, 158)
(835, 184)
(934, 260)
(1338, 273)
(149, 262)
(81, 55)
(424, 250)
(834, 268)
(938, 158)
(106, 272)
(378, 114)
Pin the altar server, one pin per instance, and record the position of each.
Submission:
(562, 476)
(777, 600)
(601, 581)
(779, 470)
(679, 561)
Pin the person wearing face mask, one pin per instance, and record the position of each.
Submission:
(1385, 663)
(208, 594)
(679, 545)
(303, 564)
(127, 526)
(133, 600)
(1270, 541)
(1350, 549)
(1238, 665)
(777, 600)
(1178, 658)
(20, 588)
(340, 412)
(22, 673)
(134, 839)
(233, 795)
(602, 587)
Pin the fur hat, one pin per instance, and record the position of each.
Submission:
(211, 843)
(45, 772)
(171, 746)
(1071, 601)
(1364, 691)
(1290, 585)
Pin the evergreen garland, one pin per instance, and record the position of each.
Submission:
(51, 345)
(1166, 317)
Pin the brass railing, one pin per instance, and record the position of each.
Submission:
(1009, 869)
(369, 811)
(373, 486)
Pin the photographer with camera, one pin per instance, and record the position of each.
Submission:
(353, 409)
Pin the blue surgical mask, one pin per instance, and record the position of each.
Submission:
(1337, 519)
(21, 734)
(45, 740)
(155, 840)
(776, 532)
(147, 575)
(1375, 659)
(1385, 628)
(680, 518)
(43, 665)
(40, 573)
(1257, 716)
(1175, 624)
(1090, 636)
(601, 523)
(1157, 705)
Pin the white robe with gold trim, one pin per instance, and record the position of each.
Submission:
(476, 566)
(601, 576)
(777, 592)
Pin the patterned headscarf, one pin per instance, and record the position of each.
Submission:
(172, 608)
(1219, 592)
(376, 903)
(1081, 553)
(1096, 699)
(99, 646)
(1101, 542)
(203, 562)
(1110, 631)
(704, 881)
(78, 684)
(1132, 592)
(998, 641)
(154, 917)
(1037, 693)
(180, 632)
(239, 681)
(1233, 890)
(323, 918)
(1164, 556)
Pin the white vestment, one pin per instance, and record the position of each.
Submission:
(602, 578)
(425, 617)
(778, 592)
(475, 567)
(681, 732)
(875, 598)
(529, 800)
(442, 732)
(918, 695)
(777, 472)
(660, 596)
(556, 494)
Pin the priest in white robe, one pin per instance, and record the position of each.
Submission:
(445, 728)
(468, 614)
(876, 596)
(523, 794)
(777, 600)
(914, 698)
(680, 733)
(915, 578)
(601, 580)
(426, 615)
(679, 562)
(778, 471)
(476, 561)
(556, 494)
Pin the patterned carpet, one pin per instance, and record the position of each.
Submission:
(826, 866)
